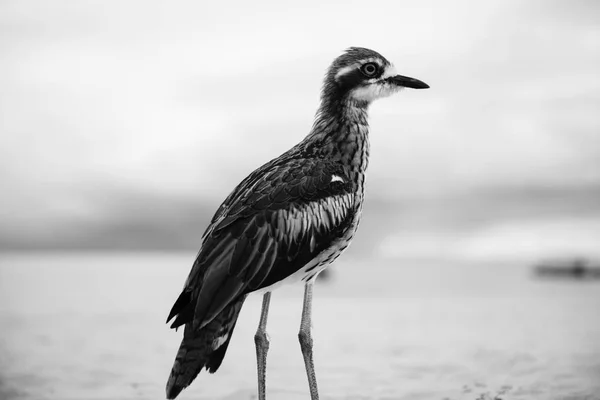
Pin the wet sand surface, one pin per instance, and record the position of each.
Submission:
(91, 326)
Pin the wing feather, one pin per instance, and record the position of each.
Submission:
(274, 223)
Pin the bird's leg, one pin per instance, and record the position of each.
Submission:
(261, 339)
(306, 342)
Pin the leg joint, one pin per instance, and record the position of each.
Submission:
(305, 338)
(261, 338)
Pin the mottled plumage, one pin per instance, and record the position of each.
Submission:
(286, 221)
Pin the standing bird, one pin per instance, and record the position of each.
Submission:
(286, 221)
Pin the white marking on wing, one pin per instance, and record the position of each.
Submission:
(335, 178)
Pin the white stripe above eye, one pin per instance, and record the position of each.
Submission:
(351, 67)
(335, 178)
(346, 69)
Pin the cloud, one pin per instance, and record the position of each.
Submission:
(169, 101)
(508, 241)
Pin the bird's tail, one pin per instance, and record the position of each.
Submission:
(203, 348)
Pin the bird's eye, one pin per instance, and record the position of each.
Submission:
(369, 69)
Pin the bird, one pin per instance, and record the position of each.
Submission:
(285, 222)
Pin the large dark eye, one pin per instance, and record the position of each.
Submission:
(369, 69)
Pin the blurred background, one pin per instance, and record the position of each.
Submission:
(123, 125)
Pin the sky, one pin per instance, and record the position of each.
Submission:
(125, 124)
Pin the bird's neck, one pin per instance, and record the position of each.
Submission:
(341, 133)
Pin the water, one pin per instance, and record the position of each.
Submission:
(91, 326)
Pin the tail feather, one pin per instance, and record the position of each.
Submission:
(203, 348)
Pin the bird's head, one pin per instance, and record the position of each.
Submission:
(362, 75)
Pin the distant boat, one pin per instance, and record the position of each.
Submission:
(576, 268)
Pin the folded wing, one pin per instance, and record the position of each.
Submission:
(273, 224)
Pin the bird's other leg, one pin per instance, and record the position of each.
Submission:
(261, 339)
(306, 342)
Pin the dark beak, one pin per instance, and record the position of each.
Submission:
(408, 82)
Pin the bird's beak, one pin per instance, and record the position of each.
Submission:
(409, 82)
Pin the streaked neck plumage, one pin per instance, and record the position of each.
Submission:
(341, 133)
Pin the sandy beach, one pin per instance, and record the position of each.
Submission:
(91, 326)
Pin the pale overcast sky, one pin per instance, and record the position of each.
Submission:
(106, 107)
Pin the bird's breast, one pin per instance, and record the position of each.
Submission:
(339, 245)
(328, 255)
